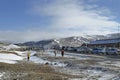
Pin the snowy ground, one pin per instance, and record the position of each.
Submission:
(89, 67)
(82, 66)
(9, 58)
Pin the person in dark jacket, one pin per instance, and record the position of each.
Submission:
(62, 53)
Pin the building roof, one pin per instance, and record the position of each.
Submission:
(106, 41)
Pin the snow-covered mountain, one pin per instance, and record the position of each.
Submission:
(115, 35)
(76, 41)
(73, 41)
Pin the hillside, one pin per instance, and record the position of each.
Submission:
(73, 41)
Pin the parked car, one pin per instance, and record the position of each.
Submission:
(70, 49)
(112, 51)
(84, 50)
(99, 50)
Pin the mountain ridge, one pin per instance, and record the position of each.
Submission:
(73, 41)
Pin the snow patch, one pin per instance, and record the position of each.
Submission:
(112, 63)
(41, 61)
(2, 74)
(11, 46)
(9, 58)
(57, 41)
(95, 75)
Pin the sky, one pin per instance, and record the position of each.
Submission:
(34, 20)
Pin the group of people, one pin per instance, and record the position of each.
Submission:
(56, 51)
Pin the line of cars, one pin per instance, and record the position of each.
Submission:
(107, 51)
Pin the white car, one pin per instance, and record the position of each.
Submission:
(98, 50)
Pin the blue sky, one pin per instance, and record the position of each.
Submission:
(26, 20)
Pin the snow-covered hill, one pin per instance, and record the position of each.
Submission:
(11, 46)
(73, 41)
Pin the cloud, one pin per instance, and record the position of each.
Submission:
(31, 35)
(67, 18)
(23, 36)
(76, 14)
(36, 35)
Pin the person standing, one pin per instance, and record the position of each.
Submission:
(28, 56)
(62, 53)
(55, 52)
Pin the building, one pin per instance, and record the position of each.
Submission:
(105, 43)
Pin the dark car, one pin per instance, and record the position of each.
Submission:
(99, 50)
(112, 51)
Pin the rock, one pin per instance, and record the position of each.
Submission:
(46, 63)
(55, 63)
